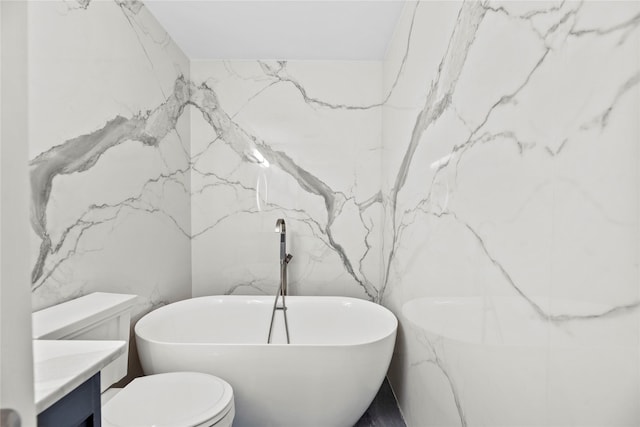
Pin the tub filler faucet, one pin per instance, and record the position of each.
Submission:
(282, 289)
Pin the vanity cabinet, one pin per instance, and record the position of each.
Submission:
(79, 408)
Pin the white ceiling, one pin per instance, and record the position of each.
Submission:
(266, 29)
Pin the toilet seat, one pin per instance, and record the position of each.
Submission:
(185, 399)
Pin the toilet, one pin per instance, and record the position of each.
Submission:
(173, 399)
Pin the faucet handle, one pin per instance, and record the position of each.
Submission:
(288, 258)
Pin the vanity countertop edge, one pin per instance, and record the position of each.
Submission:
(62, 365)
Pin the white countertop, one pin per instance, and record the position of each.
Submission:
(62, 365)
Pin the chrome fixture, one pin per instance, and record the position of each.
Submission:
(282, 289)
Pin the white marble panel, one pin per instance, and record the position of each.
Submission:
(510, 170)
(109, 143)
(298, 140)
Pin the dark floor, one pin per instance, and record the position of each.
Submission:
(383, 411)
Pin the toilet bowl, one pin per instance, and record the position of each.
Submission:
(175, 399)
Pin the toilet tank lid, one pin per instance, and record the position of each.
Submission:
(60, 320)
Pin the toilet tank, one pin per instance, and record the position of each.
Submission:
(97, 316)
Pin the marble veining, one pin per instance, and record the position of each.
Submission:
(81, 153)
(246, 146)
(518, 177)
(434, 359)
(256, 157)
(110, 163)
(439, 99)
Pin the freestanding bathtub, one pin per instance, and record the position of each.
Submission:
(339, 354)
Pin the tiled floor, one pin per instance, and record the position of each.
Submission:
(383, 411)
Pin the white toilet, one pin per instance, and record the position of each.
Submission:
(175, 399)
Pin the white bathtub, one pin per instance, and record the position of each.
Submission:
(496, 362)
(339, 354)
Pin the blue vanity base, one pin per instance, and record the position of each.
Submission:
(80, 408)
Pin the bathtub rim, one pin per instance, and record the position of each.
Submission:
(392, 333)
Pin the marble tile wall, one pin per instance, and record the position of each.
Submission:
(109, 154)
(510, 181)
(298, 140)
(141, 161)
